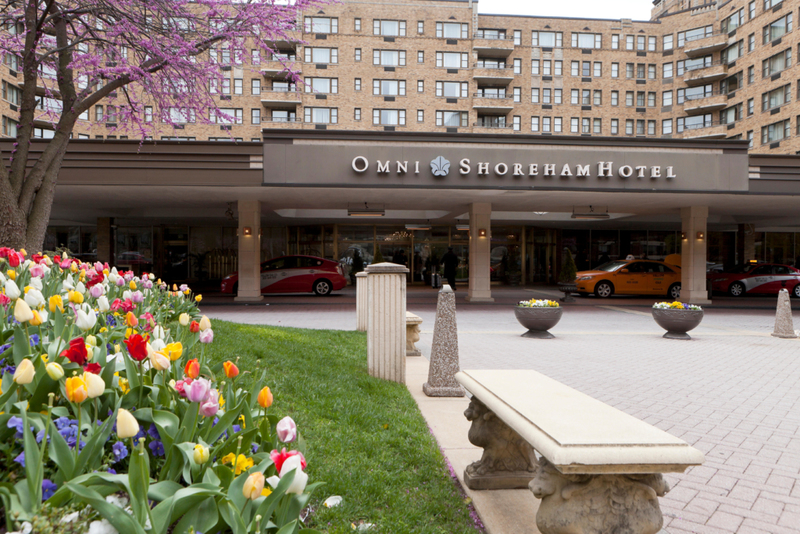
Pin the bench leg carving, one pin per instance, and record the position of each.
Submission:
(412, 336)
(508, 461)
(597, 504)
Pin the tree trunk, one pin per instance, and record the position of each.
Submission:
(13, 225)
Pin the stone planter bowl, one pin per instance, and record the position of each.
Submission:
(538, 321)
(677, 322)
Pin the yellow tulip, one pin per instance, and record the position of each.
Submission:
(22, 251)
(127, 425)
(12, 274)
(174, 350)
(184, 319)
(24, 372)
(75, 297)
(198, 298)
(22, 312)
(73, 267)
(76, 389)
(174, 287)
(54, 371)
(37, 319)
(91, 340)
(265, 397)
(205, 323)
(124, 385)
(200, 454)
(132, 285)
(253, 486)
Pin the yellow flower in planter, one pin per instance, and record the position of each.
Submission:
(242, 463)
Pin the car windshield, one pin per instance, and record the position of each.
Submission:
(611, 266)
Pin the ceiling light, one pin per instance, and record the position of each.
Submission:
(366, 211)
(418, 227)
(462, 227)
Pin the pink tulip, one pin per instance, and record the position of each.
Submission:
(137, 297)
(198, 391)
(66, 263)
(210, 407)
(287, 430)
(98, 267)
(207, 336)
(96, 290)
(37, 271)
(120, 282)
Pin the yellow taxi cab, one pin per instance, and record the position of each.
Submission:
(633, 277)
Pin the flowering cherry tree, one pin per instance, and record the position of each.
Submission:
(147, 61)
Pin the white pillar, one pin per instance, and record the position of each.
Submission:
(693, 254)
(362, 301)
(480, 220)
(386, 321)
(249, 251)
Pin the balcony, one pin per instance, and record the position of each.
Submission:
(704, 74)
(291, 123)
(280, 99)
(706, 130)
(492, 74)
(706, 45)
(493, 124)
(278, 70)
(492, 103)
(492, 44)
(700, 104)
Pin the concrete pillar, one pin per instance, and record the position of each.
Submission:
(362, 301)
(386, 321)
(746, 243)
(480, 219)
(693, 255)
(249, 251)
(105, 248)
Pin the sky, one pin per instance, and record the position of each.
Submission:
(599, 9)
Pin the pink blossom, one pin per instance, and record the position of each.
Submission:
(137, 297)
(286, 429)
(120, 282)
(180, 386)
(198, 391)
(96, 290)
(207, 336)
(37, 271)
(210, 407)
(98, 267)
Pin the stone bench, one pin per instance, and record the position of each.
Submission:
(412, 334)
(599, 468)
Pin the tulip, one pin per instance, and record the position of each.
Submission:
(85, 320)
(132, 285)
(174, 350)
(37, 318)
(76, 352)
(131, 320)
(207, 336)
(24, 372)
(265, 397)
(158, 332)
(54, 371)
(198, 298)
(127, 425)
(79, 287)
(184, 319)
(75, 297)
(300, 477)
(209, 407)
(192, 369)
(91, 341)
(159, 345)
(205, 324)
(198, 391)
(231, 371)
(278, 458)
(56, 303)
(102, 304)
(34, 298)
(94, 385)
(96, 291)
(137, 296)
(12, 274)
(12, 291)
(22, 312)
(286, 429)
(77, 391)
(159, 361)
(36, 283)
(194, 327)
(253, 486)
(137, 347)
(200, 454)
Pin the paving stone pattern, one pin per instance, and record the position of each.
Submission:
(733, 392)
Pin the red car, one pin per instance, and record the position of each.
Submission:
(767, 278)
(294, 274)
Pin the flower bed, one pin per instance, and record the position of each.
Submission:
(107, 399)
(677, 318)
(675, 305)
(533, 303)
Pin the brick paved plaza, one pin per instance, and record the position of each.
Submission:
(733, 391)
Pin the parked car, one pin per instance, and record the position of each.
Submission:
(631, 277)
(763, 278)
(294, 274)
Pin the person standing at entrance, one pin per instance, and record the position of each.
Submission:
(450, 262)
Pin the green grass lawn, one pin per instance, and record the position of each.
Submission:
(365, 437)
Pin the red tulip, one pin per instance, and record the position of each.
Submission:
(93, 368)
(14, 259)
(192, 368)
(137, 347)
(76, 352)
(279, 457)
(231, 371)
(194, 327)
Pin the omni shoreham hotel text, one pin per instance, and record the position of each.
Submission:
(441, 167)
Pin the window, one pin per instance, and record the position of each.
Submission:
(357, 114)
(517, 123)
(694, 93)
(573, 125)
(483, 33)
(255, 116)
(486, 92)
(452, 30)
(750, 106)
(323, 85)
(586, 97)
(556, 96)
(651, 99)
(226, 115)
(615, 98)
(651, 44)
(639, 127)
(452, 119)
(11, 93)
(666, 127)
(629, 127)
(751, 74)
(321, 115)
(389, 117)
(98, 113)
(769, 4)
(693, 64)
(547, 96)
(666, 98)
(775, 132)
(283, 86)
(10, 127)
(587, 40)
(226, 86)
(391, 28)
(420, 115)
(586, 126)
(420, 86)
(357, 24)
(557, 64)
(517, 94)
(629, 70)
(640, 42)
(357, 84)
(777, 29)
(534, 95)
(255, 86)
(668, 42)
(173, 115)
(694, 34)
(321, 25)
(420, 27)
(461, 90)
(614, 126)
(575, 68)
(777, 63)
(535, 67)
(358, 54)
(750, 138)
(534, 124)
(640, 71)
(651, 127)
(546, 39)
(629, 42)
(557, 124)
(751, 42)
(776, 97)
(238, 86)
(640, 99)
(389, 87)
(751, 10)
(597, 97)
(148, 114)
(255, 56)
(111, 114)
(667, 72)
(615, 70)
(321, 55)
(517, 37)
(459, 60)
(733, 21)
(597, 71)
(694, 123)
(517, 66)
(575, 96)
(44, 133)
(597, 126)
(629, 98)
(421, 57)
(651, 72)
(389, 58)
(280, 115)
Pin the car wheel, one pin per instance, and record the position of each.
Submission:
(796, 291)
(323, 287)
(604, 289)
(674, 291)
(737, 289)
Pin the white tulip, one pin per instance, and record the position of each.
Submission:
(85, 320)
(127, 294)
(80, 288)
(68, 283)
(12, 291)
(158, 332)
(158, 344)
(36, 283)
(102, 304)
(34, 297)
(2, 279)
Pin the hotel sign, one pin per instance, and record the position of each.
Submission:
(440, 167)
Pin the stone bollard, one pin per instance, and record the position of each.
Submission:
(412, 334)
(362, 301)
(386, 321)
(444, 351)
(784, 327)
